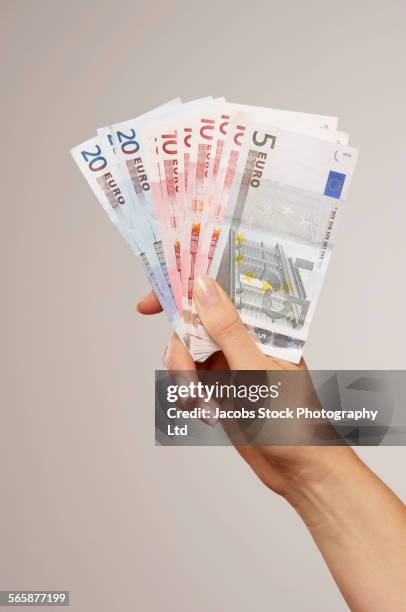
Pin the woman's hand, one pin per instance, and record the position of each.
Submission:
(279, 467)
(356, 521)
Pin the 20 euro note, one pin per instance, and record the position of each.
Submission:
(281, 219)
(141, 222)
(133, 180)
(98, 166)
(130, 154)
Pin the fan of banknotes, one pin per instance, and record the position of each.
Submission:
(247, 195)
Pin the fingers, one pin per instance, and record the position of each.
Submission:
(177, 356)
(222, 322)
(149, 304)
(182, 371)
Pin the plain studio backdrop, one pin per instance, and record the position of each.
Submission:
(87, 502)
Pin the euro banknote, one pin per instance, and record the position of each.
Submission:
(230, 139)
(246, 194)
(281, 222)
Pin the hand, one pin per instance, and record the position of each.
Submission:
(279, 467)
(357, 522)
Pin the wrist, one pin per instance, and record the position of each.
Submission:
(319, 492)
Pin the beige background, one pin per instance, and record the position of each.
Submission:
(87, 502)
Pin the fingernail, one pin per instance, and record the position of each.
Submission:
(205, 291)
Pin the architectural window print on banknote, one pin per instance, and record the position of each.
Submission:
(276, 249)
(280, 242)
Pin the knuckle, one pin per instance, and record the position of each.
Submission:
(227, 328)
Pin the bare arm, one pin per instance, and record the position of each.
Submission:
(357, 522)
(359, 526)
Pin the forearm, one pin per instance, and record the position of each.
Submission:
(359, 525)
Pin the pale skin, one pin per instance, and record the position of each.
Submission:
(357, 522)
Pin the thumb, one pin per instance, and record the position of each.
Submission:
(222, 322)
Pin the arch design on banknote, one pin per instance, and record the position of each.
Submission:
(267, 282)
